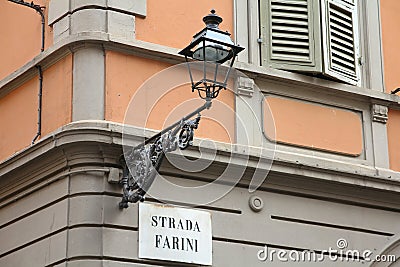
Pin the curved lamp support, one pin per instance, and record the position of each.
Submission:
(141, 163)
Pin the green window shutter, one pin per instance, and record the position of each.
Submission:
(340, 40)
(291, 35)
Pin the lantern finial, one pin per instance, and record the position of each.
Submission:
(212, 20)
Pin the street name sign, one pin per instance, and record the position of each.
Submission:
(175, 234)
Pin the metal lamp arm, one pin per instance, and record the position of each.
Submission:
(141, 163)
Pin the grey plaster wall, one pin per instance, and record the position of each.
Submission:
(57, 208)
(76, 221)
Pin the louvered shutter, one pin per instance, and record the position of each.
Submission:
(340, 40)
(291, 35)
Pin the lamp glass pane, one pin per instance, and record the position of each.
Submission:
(213, 52)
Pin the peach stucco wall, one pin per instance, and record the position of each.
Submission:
(124, 75)
(18, 109)
(57, 95)
(174, 22)
(390, 10)
(315, 126)
(18, 118)
(393, 129)
(20, 35)
(164, 98)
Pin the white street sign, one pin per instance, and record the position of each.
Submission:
(175, 234)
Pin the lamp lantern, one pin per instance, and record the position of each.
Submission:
(213, 47)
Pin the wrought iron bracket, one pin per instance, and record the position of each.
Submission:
(141, 163)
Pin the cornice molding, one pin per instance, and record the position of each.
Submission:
(169, 55)
(102, 136)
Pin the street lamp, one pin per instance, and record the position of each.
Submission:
(212, 47)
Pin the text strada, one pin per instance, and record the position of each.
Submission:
(176, 242)
(176, 234)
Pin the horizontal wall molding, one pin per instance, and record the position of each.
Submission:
(98, 137)
(170, 55)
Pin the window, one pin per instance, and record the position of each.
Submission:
(312, 36)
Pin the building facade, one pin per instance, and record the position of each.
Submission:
(310, 119)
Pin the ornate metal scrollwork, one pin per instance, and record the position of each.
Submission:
(141, 163)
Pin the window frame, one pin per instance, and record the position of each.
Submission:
(248, 28)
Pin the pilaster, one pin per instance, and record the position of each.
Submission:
(88, 84)
(379, 114)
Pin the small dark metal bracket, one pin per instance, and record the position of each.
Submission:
(141, 163)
